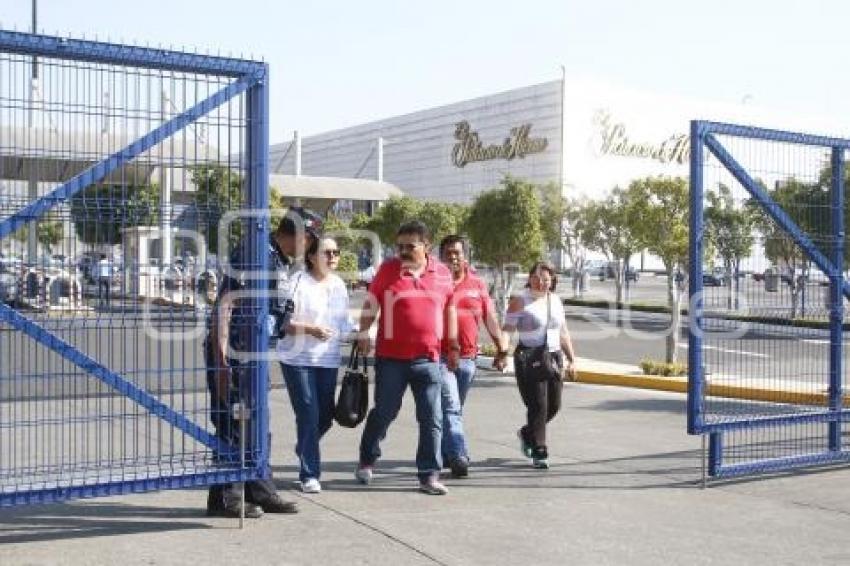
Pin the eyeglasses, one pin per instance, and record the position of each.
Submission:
(407, 247)
(331, 253)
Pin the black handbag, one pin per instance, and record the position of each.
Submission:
(353, 400)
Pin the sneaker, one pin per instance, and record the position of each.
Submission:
(540, 463)
(311, 485)
(524, 446)
(364, 474)
(460, 467)
(275, 504)
(433, 487)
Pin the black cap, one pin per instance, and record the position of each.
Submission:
(311, 222)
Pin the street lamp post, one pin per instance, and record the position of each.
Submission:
(32, 230)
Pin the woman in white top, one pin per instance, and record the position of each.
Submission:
(310, 352)
(538, 317)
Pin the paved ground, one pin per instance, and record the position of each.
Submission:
(621, 491)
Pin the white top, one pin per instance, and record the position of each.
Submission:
(103, 268)
(324, 303)
(529, 321)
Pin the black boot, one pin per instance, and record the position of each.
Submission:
(224, 501)
(215, 500)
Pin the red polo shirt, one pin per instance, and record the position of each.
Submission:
(473, 304)
(412, 309)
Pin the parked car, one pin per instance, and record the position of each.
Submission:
(631, 273)
(595, 268)
(9, 284)
(710, 279)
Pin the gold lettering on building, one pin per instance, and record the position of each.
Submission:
(518, 144)
(612, 139)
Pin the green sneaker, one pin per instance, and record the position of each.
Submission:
(524, 447)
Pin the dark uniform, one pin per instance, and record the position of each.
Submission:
(260, 492)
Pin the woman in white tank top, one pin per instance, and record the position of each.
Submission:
(537, 315)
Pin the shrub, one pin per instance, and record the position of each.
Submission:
(487, 350)
(656, 367)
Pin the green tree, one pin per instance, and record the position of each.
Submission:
(659, 206)
(347, 268)
(441, 218)
(504, 228)
(553, 207)
(218, 190)
(573, 227)
(609, 227)
(360, 221)
(50, 232)
(276, 199)
(729, 230)
(806, 204)
(391, 215)
(100, 212)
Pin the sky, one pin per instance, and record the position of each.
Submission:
(340, 63)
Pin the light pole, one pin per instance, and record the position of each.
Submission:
(32, 231)
(561, 171)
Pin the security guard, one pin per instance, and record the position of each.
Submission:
(228, 379)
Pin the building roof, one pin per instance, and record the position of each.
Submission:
(335, 188)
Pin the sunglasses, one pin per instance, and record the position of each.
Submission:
(331, 253)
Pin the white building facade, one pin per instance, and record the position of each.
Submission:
(585, 135)
(450, 153)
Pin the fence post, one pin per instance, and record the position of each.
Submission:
(695, 369)
(715, 453)
(259, 233)
(836, 307)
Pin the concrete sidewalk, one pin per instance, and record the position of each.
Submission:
(622, 490)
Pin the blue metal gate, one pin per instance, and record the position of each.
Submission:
(117, 165)
(766, 356)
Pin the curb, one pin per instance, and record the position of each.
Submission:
(635, 381)
(675, 385)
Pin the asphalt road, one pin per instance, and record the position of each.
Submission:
(117, 337)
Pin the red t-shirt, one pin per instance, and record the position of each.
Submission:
(473, 304)
(412, 315)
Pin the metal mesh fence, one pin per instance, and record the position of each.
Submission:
(116, 282)
(767, 305)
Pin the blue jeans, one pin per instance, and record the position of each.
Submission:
(455, 387)
(311, 392)
(391, 380)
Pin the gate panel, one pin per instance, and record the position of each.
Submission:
(766, 357)
(117, 164)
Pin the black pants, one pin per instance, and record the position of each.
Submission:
(227, 428)
(542, 398)
(103, 289)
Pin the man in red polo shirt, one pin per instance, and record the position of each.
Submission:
(413, 294)
(474, 306)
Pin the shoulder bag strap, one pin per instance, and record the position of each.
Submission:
(548, 320)
(354, 358)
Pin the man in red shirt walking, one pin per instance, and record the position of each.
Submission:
(474, 306)
(413, 294)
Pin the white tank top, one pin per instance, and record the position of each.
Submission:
(530, 320)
